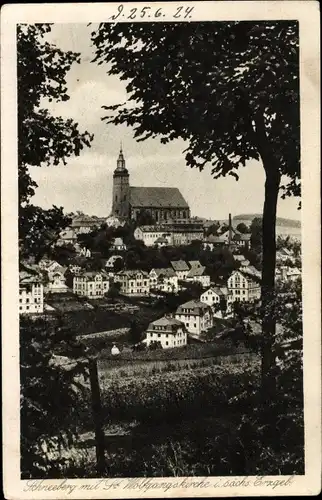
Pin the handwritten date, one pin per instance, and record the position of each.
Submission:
(181, 12)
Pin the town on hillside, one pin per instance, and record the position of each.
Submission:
(147, 251)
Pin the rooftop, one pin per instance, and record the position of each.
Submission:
(159, 197)
(179, 265)
(195, 307)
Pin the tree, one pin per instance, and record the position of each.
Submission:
(144, 218)
(242, 228)
(256, 238)
(50, 394)
(241, 102)
(43, 139)
(135, 332)
(213, 229)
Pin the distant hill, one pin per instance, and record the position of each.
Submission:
(280, 221)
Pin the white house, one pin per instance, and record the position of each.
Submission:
(196, 316)
(31, 292)
(198, 274)
(135, 282)
(244, 284)
(85, 252)
(217, 298)
(109, 264)
(212, 241)
(91, 284)
(113, 221)
(164, 280)
(118, 244)
(285, 273)
(57, 280)
(150, 235)
(181, 268)
(168, 331)
(283, 255)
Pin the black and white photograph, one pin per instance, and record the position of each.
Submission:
(160, 250)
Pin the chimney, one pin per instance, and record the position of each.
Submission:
(230, 230)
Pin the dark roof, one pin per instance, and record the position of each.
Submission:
(214, 239)
(179, 265)
(167, 324)
(159, 197)
(195, 307)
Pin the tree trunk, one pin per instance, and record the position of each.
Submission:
(97, 416)
(268, 280)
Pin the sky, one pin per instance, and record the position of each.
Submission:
(85, 183)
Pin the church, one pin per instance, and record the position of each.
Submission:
(162, 203)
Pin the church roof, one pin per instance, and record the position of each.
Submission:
(158, 197)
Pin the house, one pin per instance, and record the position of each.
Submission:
(113, 221)
(168, 331)
(198, 274)
(31, 292)
(164, 280)
(82, 223)
(68, 236)
(196, 316)
(284, 255)
(212, 241)
(218, 298)
(176, 233)
(285, 273)
(109, 264)
(161, 242)
(57, 279)
(91, 284)
(74, 268)
(47, 264)
(85, 252)
(244, 284)
(133, 282)
(151, 234)
(118, 244)
(181, 268)
(241, 240)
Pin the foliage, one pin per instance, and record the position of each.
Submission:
(144, 218)
(242, 228)
(175, 393)
(239, 103)
(135, 332)
(213, 229)
(43, 139)
(256, 238)
(39, 230)
(50, 393)
(63, 254)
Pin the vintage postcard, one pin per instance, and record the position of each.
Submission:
(161, 249)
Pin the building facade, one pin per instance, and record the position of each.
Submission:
(219, 299)
(168, 331)
(244, 285)
(31, 293)
(164, 280)
(91, 284)
(160, 203)
(196, 316)
(181, 268)
(135, 282)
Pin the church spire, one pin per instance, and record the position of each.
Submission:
(121, 160)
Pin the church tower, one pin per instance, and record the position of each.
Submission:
(121, 188)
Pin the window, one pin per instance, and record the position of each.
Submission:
(195, 325)
(167, 343)
(159, 334)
